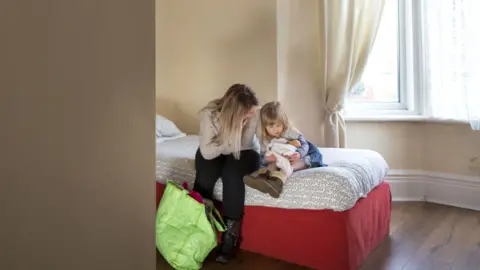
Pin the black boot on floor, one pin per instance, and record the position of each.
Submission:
(230, 241)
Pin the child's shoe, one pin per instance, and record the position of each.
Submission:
(264, 183)
(278, 176)
(260, 173)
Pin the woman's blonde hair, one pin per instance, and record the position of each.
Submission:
(230, 111)
(272, 113)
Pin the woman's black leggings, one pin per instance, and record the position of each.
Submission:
(231, 171)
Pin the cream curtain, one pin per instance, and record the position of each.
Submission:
(452, 54)
(347, 32)
(322, 48)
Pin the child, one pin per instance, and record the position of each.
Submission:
(283, 150)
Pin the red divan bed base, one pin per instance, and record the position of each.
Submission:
(320, 239)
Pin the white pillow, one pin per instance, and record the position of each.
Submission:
(166, 128)
(164, 139)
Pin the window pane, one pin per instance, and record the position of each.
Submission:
(380, 79)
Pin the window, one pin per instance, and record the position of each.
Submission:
(381, 88)
(425, 61)
(380, 79)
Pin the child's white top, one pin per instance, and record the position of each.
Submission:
(289, 134)
(281, 147)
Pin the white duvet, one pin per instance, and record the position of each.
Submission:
(351, 175)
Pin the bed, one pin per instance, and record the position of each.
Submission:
(327, 218)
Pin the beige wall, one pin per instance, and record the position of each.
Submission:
(436, 147)
(202, 50)
(77, 169)
(400, 143)
(449, 148)
(205, 46)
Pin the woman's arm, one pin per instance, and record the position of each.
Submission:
(208, 149)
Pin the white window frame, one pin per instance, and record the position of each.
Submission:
(411, 68)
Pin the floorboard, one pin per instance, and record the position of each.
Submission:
(424, 236)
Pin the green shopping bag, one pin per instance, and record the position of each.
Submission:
(185, 231)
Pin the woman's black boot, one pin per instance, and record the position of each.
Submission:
(230, 241)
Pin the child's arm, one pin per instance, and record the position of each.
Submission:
(303, 149)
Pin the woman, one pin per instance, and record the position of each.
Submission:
(230, 150)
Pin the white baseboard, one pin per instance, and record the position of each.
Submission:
(449, 189)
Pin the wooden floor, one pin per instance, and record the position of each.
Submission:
(423, 236)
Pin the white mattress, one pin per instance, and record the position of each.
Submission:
(351, 174)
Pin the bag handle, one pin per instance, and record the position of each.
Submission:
(217, 220)
(215, 216)
(178, 186)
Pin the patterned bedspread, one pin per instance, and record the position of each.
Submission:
(351, 174)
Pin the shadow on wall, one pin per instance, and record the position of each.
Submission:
(299, 71)
(249, 56)
(172, 110)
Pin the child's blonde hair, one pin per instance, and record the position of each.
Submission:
(272, 113)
